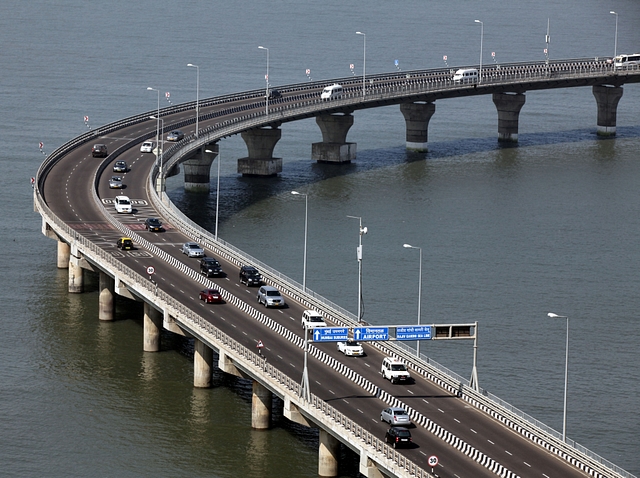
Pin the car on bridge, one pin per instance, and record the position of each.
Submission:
(394, 370)
(192, 249)
(99, 151)
(351, 348)
(249, 275)
(120, 167)
(125, 243)
(122, 205)
(153, 224)
(210, 267)
(395, 416)
(398, 436)
(115, 182)
(312, 319)
(175, 135)
(270, 297)
(210, 296)
(147, 147)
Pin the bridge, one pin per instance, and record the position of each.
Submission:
(472, 432)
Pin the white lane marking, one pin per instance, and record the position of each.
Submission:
(473, 431)
(440, 410)
(491, 442)
(456, 420)
(527, 464)
(508, 453)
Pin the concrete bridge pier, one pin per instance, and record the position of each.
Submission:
(197, 169)
(334, 147)
(368, 467)
(76, 275)
(107, 303)
(328, 454)
(152, 326)
(509, 106)
(260, 145)
(607, 98)
(202, 364)
(416, 117)
(64, 252)
(261, 407)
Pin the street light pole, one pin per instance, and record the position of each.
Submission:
(266, 91)
(364, 61)
(615, 45)
(197, 94)
(408, 246)
(566, 372)
(481, 40)
(160, 156)
(362, 231)
(157, 115)
(305, 393)
(304, 266)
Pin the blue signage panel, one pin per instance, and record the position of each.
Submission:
(330, 334)
(371, 333)
(419, 332)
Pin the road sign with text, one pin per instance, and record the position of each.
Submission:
(413, 332)
(330, 334)
(371, 333)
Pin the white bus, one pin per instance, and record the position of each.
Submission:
(465, 75)
(623, 62)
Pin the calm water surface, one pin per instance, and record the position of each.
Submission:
(508, 234)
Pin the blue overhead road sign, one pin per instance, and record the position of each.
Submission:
(330, 334)
(371, 333)
(420, 332)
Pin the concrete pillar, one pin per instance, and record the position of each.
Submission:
(76, 276)
(151, 328)
(64, 251)
(198, 167)
(260, 145)
(107, 303)
(368, 467)
(328, 454)
(607, 98)
(202, 364)
(509, 106)
(260, 407)
(416, 118)
(334, 147)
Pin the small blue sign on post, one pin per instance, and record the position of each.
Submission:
(419, 332)
(371, 333)
(330, 334)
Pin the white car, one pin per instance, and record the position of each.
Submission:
(147, 147)
(394, 371)
(312, 319)
(123, 205)
(192, 249)
(351, 348)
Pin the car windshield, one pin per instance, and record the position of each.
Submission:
(399, 412)
(398, 367)
(123, 201)
(193, 246)
(316, 318)
(252, 273)
(353, 344)
(116, 178)
(273, 293)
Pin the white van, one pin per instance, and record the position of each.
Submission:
(332, 92)
(466, 75)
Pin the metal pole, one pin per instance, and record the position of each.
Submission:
(304, 386)
(566, 375)
(157, 117)
(481, 40)
(218, 194)
(547, 40)
(409, 246)
(306, 216)
(266, 91)
(473, 383)
(197, 94)
(364, 62)
(615, 45)
(362, 231)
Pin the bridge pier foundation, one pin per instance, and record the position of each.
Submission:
(197, 169)
(260, 145)
(64, 252)
(261, 407)
(334, 147)
(368, 467)
(509, 106)
(416, 117)
(152, 325)
(328, 454)
(202, 364)
(607, 98)
(76, 275)
(107, 303)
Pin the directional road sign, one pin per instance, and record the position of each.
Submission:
(330, 334)
(371, 333)
(412, 332)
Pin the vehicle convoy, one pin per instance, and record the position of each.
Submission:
(394, 371)
(351, 348)
(312, 319)
(210, 267)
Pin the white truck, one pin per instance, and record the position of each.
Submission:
(394, 371)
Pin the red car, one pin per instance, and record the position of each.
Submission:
(211, 295)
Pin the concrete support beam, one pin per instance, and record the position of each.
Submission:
(260, 145)
(509, 106)
(291, 412)
(261, 407)
(107, 302)
(64, 252)
(328, 454)
(416, 118)
(198, 167)
(202, 364)
(152, 326)
(334, 147)
(76, 276)
(368, 467)
(225, 363)
(607, 98)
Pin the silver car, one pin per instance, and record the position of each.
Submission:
(192, 249)
(175, 135)
(115, 182)
(395, 416)
(270, 297)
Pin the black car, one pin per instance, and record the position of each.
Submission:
(99, 151)
(398, 436)
(210, 267)
(153, 224)
(274, 94)
(249, 275)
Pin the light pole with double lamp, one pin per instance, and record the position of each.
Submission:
(615, 43)
(197, 93)
(566, 374)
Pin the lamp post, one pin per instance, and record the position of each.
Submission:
(481, 40)
(197, 93)
(217, 190)
(305, 393)
(157, 118)
(566, 371)
(266, 91)
(409, 246)
(362, 231)
(161, 153)
(304, 266)
(364, 61)
(615, 44)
